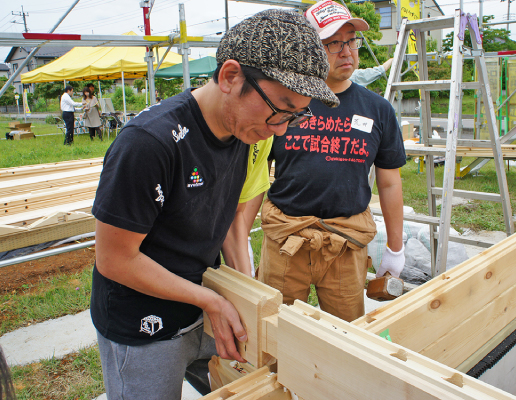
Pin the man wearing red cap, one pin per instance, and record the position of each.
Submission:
(316, 220)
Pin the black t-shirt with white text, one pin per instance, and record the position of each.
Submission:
(167, 176)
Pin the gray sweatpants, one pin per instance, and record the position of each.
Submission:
(156, 370)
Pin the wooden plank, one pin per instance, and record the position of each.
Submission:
(455, 346)
(8, 187)
(252, 299)
(15, 172)
(476, 357)
(423, 318)
(223, 372)
(260, 384)
(28, 217)
(30, 237)
(328, 358)
(47, 194)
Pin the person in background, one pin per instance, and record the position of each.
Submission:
(91, 86)
(6, 383)
(251, 198)
(316, 219)
(91, 113)
(68, 108)
(168, 194)
(364, 77)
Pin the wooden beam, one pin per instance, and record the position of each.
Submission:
(261, 384)
(323, 357)
(452, 316)
(36, 169)
(23, 237)
(252, 299)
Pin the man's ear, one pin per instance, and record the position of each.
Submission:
(230, 75)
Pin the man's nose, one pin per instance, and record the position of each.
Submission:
(346, 51)
(279, 130)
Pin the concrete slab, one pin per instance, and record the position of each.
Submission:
(56, 337)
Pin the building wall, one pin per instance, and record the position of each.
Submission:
(15, 61)
(389, 33)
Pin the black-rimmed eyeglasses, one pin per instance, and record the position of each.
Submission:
(278, 116)
(337, 46)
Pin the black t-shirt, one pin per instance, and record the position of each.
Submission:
(167, 176)
(322, 166)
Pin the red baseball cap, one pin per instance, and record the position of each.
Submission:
(327, 17)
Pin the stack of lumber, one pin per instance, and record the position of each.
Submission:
(40, 203)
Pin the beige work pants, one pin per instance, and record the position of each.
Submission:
(339, 283)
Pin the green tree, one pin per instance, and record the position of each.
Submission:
(168, 87)
(493, 39)
(48, 90)
(367, 12)
(118, 97)
(7, 98)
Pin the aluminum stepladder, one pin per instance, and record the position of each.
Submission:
(461, 23)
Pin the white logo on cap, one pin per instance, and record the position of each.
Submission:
(329, 12)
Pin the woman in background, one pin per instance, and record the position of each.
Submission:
(91, 113)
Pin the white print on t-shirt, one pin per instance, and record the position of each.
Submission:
(363, 124)
(182, 133)
(160, 198)
(148, 324)
(148, 108)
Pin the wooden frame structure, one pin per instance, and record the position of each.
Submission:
(41, 203)
(450, 322)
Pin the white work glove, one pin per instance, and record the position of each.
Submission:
(392, 262)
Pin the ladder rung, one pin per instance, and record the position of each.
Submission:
(424, 219)
(423, 151)
(466, 194)
(475, 143)
(430, 24)
(471, 85)
(427, 85)
(463, 240)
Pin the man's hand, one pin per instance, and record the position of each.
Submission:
(392, 262)
(226, 325)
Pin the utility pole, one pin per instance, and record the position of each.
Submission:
(147, 5)
(22, 14)
(34, 51)
(227, 15)
(508, 15)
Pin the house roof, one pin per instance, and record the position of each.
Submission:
(4, 67)
(44, 52)
(380, 1)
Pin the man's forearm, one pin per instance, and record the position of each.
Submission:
(391, 202)
(235, 247)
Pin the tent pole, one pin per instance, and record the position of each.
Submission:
(100, 90)
(33, 52)
(146, 92)
(150, 76)
(123, 92)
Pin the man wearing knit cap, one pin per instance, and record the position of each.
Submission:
(316, 220)
(167, 195)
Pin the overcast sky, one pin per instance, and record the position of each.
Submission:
(203, 17)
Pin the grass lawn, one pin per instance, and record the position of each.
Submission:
(48, 147)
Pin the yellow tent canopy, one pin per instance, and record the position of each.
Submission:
(93, 63)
